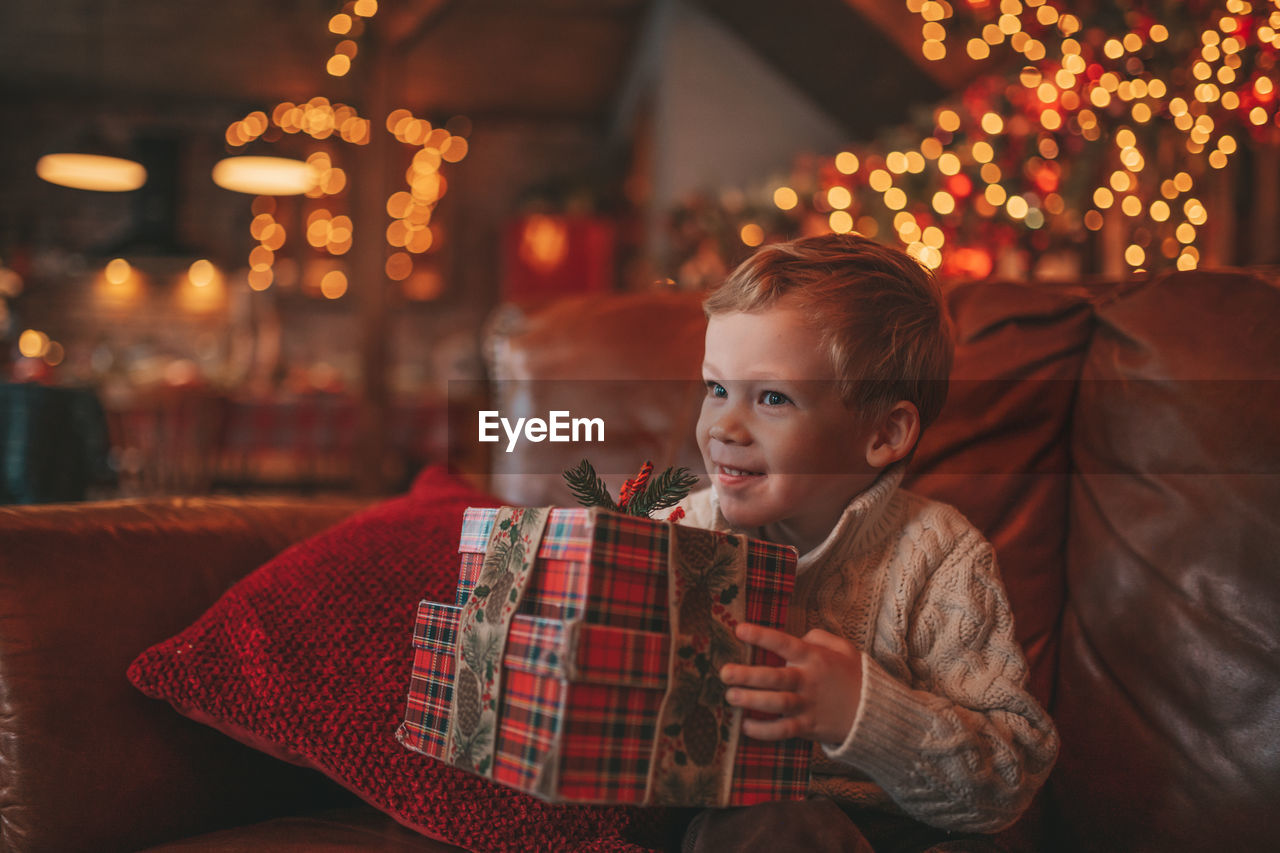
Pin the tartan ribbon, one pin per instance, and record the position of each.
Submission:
(483, 627)
(696, 739)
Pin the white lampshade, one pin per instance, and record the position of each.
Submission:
(91, 172)
(258, 175)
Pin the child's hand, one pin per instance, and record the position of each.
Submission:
(816, 694)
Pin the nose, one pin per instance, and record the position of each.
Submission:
(728, 428)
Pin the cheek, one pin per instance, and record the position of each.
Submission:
(703, 429)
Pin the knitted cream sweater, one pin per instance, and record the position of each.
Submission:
(945, 730)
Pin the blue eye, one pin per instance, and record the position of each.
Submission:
(715, 389)
(774, 398)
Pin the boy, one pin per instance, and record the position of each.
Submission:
(825, 359)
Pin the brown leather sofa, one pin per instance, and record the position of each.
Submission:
(1120, 444)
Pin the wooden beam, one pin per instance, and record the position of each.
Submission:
(891, 17)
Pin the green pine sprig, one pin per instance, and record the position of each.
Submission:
(661, 492)
(587, 486)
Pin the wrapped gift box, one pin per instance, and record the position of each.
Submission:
(611, 569)
(585, 667)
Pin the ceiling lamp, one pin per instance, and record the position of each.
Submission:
(91, 172)
(259, 175)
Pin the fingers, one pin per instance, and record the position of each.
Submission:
(767, 701)
(827, 640)
(784, 645)
(766, 677)
(779, 729)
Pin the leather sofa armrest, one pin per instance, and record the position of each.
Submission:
(86, 761)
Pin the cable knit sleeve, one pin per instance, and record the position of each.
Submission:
(964, 746)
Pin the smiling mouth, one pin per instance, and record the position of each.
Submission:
(739, 472)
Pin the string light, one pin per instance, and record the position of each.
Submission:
(409, 208)
(1000, 164)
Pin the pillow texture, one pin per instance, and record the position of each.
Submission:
(308, 659)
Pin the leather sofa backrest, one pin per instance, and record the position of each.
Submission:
(1169, 692)
(83, 590)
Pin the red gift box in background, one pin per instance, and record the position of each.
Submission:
(585, 667)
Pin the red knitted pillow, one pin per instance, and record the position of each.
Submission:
(308, 659)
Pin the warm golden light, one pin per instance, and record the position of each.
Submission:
(118, 271)
(259, 225)
(454, 149)
(397, 233)
(365, 8)
(334, 284)
(839, 197)
(201, 273)
(943, 202)
(399, 266)
(751, 234)
(338, 65)
(398, 204)
(261, 258)
(265, 175)
(544, 243)
(273, 237)
(1134, 255)
(846, 163)
(992, 123)
(260, 280)
(421, 239)
(841, 222)
(1195, 212)
(33, 343)
(785, 198)
(91, 172)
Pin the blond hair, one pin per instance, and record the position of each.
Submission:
(878, 313)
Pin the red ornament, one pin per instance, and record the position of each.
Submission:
(635, 485)
(959, 185)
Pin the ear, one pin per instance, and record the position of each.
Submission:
(895, 435)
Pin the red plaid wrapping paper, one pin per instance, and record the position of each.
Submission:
(577, 713)
(611, 569)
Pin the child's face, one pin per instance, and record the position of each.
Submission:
(782, 449)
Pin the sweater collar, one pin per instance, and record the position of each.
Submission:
(858, 524)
